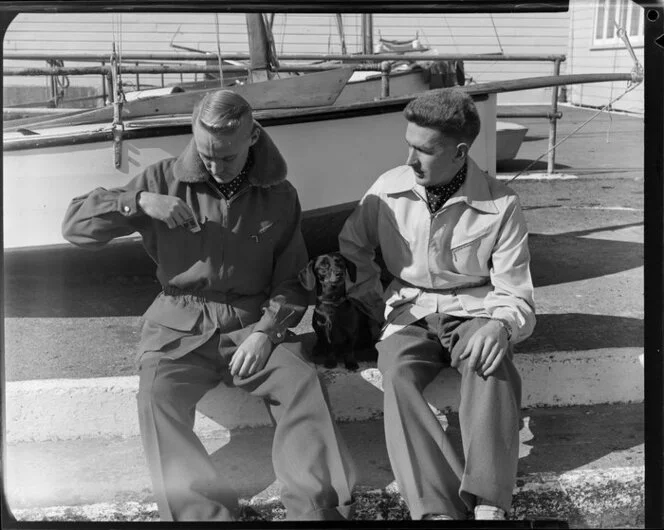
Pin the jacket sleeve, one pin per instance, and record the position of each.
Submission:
(358, 241)
(512, 299)
(94, 219)
(288, 299)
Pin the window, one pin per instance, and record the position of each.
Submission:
(626, 14)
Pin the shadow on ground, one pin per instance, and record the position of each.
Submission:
(579, 331)
(519, 164)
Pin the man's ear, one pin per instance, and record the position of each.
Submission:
(255, 134)
(307, 277)
(462, 150)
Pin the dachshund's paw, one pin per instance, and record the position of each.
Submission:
(351, 365)
(330, 363)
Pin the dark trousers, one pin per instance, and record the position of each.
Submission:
(310, 459)
(432, 477)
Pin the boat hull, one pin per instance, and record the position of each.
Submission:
(331, 162)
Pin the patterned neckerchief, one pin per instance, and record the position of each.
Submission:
(228, 189)
(438, 195)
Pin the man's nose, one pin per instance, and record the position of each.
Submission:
(215, 167)
(412, 158)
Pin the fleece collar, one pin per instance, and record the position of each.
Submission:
(268, 168)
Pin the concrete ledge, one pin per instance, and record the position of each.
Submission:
(61, 409)
(611, 498)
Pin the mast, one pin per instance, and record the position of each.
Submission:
(261, 48)
(367, 33)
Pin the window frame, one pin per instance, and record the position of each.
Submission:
(625, 7)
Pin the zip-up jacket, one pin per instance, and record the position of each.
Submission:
(238, 274)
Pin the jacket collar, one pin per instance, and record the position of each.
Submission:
(474, 191)
(268, 169)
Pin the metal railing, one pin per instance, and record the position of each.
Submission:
(361, 62)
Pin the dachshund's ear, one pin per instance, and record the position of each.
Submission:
(351, 270)
(307, 277)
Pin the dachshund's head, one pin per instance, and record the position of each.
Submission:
(327, 274)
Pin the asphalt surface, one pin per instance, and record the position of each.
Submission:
(75, 314)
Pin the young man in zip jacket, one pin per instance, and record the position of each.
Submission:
(455, 242)
(222, 224)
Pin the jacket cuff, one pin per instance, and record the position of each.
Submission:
(128, 203)
(276, 334)
(508, 317)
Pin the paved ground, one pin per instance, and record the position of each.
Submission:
(567, 468)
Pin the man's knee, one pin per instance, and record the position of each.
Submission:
(292, 366)
(396, 377)
(154, 389)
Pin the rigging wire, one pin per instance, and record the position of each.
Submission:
(495, 30)
(631, 86)
(637, 79)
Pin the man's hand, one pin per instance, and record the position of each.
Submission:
(171, 210)
(486, 348)
(251, 355)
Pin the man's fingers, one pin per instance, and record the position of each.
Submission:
(494, 364)
(488, 359)
(487, 348)
(466, 350)
(245, 370)
(475, 355)
(236, 362)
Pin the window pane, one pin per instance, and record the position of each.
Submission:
(611, 16)
(624, 4)
(599, 27)
(635, 19)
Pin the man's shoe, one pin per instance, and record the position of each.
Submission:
(485, 512)
(437, 517)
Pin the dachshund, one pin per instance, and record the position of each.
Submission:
(342, 328)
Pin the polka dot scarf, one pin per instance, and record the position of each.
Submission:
(228, 189)
(438, 195)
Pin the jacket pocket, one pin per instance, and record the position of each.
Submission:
(166, 322)
(177, 314)
(471, 255)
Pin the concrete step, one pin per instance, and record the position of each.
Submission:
(72, 408)
(584, 465)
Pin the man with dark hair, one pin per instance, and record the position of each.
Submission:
(455, 242)
(222, 224)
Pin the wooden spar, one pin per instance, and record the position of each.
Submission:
(529, 83)
(386, 104)
(178, 56)
(312, 90)
(127, 69)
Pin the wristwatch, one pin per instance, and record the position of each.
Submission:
(507, 327)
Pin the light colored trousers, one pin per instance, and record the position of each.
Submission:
(432, 477)
(310, 458)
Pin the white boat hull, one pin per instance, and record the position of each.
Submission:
(331, 162)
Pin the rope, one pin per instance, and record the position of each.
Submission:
(117, 45)
(219, 60)
(495, 30)
(456, 47)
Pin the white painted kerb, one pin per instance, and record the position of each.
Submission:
(59, 409)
